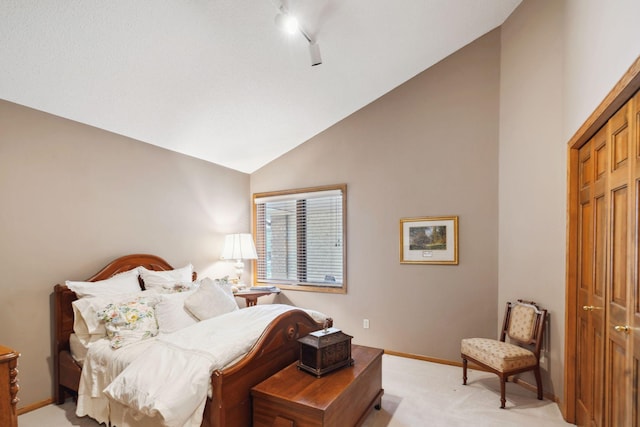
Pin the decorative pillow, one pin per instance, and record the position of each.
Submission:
(166, 281)
(129, 322)
(123, 283)
(172, 314)
(210, 300)
(85, 311)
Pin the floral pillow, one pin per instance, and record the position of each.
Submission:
(85, 319)
(129, 322)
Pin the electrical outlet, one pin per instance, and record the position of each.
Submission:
(544, 362)
(365, 323)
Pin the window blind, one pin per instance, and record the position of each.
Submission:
(300, 238)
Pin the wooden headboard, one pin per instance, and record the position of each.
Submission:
(64, 297)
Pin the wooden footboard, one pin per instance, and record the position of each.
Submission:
(278, 347)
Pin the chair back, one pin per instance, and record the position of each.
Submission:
(524, 324)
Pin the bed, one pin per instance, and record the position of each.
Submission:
(229, 403)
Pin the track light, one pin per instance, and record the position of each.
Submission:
(289, 24)
(314, 50)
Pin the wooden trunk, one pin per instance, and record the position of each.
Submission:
(341, 398)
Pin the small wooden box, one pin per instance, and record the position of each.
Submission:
(324, 351)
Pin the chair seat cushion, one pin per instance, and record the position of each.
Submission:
(499, 355)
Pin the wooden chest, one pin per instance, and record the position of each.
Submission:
(341, 398)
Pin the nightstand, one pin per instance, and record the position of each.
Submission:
(251, 296)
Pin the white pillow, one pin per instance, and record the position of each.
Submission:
(172, 314)
(123, 283)
(317, 316)
(210, 300)
(129, 321)
(165, 281)
(85, 319)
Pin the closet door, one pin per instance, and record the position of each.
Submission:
(593, 159)
(602, 370)
(619, 299)
(608, 291)
(635, 291)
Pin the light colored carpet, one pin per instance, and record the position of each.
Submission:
(416, 394)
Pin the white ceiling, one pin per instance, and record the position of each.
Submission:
(216, 79)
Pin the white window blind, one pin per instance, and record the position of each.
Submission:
(300, 238)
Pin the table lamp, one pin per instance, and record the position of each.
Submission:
(239, 246)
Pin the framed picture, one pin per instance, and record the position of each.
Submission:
(429, 240)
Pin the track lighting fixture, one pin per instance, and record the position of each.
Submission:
(289, 24)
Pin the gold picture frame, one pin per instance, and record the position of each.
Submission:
(429, 240)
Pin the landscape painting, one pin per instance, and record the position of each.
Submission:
(429, 240)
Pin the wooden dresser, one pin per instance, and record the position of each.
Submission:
(8, 387)
(295, 398)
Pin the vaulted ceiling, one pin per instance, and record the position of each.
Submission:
(217, 79)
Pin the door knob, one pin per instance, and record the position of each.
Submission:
(620, 328)
(590, 308)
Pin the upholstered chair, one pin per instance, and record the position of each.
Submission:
(524, 326)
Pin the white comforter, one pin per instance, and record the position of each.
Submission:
(171, 378)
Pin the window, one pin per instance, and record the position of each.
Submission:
(300, 238)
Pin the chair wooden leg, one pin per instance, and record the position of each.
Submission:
(464, 371)
(503, 400)
(536, 371)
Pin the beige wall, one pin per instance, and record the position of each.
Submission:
(558, 62)
(74, 198)
(488, 124)
(427, 148)
(601, 39)
(532, 172)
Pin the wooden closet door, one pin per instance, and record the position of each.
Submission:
(593, 159)
(602, 369)
(608, 343)
(618, 397)
(635, 291)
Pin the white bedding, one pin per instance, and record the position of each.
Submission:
(102, 365)
(185, 358)
(77, 348)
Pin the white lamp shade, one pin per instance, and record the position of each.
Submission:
(239, 246)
